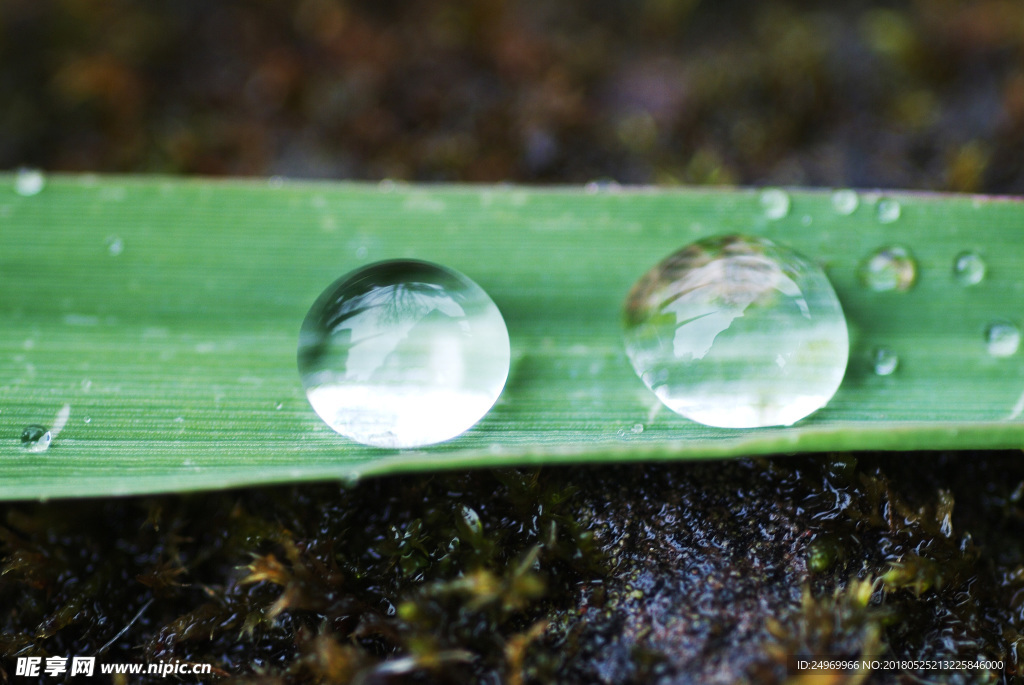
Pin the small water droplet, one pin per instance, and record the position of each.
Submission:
(35, 438)
(403, 354)
(115, 245)
(602, 185)
(279, 406)
(884, 361)
(29, 182)
(969, 268)
(637, 428)
(888, 210)
(889, 268)
(707, 327)
(1002, 338)
(845, 201)
(775, 203)
(87, 419)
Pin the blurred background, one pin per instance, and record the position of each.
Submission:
(925, 94)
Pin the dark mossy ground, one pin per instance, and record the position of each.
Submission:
(711, 572)
(689, 573)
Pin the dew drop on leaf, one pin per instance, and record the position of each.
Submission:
(1002, 338)
(845, 201)
(115, 246)
(884, 361)
(889, 268)
(969, 268)
(402, 354)
(35, 438)
(889, 210)
(29, 182)
(737, 332)
(775, 203)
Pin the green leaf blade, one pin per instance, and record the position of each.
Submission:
(166, 312)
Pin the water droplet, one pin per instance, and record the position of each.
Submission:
(969, 268)
(637, 428)
(279, 406)
(115, 245)
(707, 327)
(29, 182)
(1002, 338)
(884, 361)
(845, 201)
(889, 268)
(602, 185)
(35, 438)
(775, 203)
(888, 210)
(403, 354)
(87, 419)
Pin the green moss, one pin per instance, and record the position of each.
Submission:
(624, 574)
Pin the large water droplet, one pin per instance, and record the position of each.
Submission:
(28, 182)
(775, 202)
(884, 361)
(969, 268)
(845, 201)
(403, 354)
(1002, 338)
(737, 332)
(889, 268)
(35, 438)
(889, 210)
